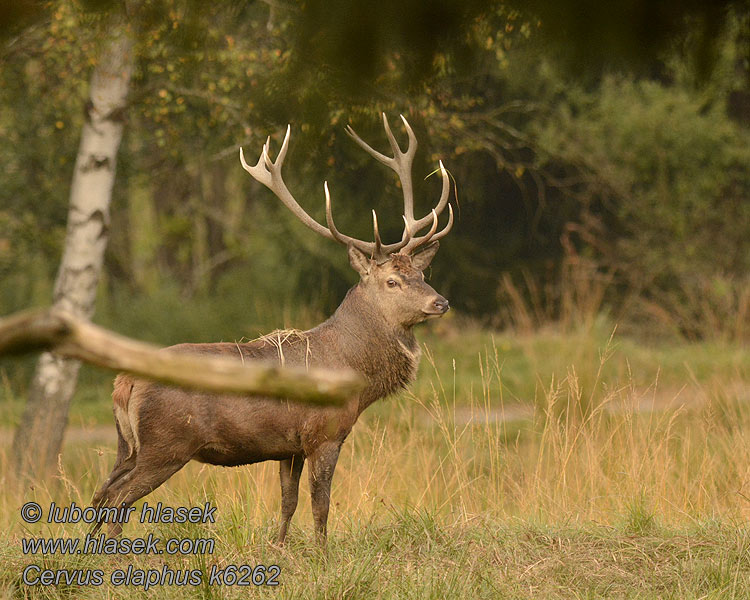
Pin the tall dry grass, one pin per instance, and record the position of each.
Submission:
(598, 485)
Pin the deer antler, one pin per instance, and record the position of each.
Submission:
(268, 173)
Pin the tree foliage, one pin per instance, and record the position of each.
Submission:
(662, 180)
(636, 163)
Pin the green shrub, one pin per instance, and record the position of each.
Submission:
(666, 185)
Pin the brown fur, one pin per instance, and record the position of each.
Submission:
(161, 428)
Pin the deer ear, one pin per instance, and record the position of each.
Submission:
(359, 261)
(422, 260)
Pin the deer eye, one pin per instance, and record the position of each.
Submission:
(391, 283)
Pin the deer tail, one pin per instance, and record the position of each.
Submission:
(121, 400)
(121, 393)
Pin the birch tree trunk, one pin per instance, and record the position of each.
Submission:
(39, 436)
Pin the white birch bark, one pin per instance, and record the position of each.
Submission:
(38, 438)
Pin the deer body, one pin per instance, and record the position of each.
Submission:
(161, 428)
(234, 430)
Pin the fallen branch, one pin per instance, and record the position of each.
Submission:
(37, 330)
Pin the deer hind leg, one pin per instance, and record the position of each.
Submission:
(290, 470)
(124, 462)
(320, 474)
(150, 471)
(101, 497)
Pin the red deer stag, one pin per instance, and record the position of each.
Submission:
(161, 428)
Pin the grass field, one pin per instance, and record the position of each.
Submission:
(575, 464)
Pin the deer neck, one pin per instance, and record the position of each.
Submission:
(386, 355)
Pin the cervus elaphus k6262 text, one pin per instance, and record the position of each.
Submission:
(161, 428)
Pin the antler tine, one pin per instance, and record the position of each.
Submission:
(329, 216)
(376, 233)
(383, 250)
(415, 242)
(387, 161)
(446, 189)
(440, 206)
(411, 147)
(258, 173)
(433, 228)
(264, 154)
(407, 230)
(410, 134)
(284, 147)
(430, 236)
(366, 247)
(274, 166)
(448, 226)
(402, 164)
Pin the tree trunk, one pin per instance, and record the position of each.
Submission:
(39, 436)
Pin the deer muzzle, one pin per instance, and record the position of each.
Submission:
(439, 306)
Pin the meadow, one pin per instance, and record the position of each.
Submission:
(563, 463)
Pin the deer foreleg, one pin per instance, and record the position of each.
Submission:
(290, 470)
(320, 474)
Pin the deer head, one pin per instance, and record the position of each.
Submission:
(391, 273)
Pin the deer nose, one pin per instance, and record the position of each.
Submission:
(441, 304)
